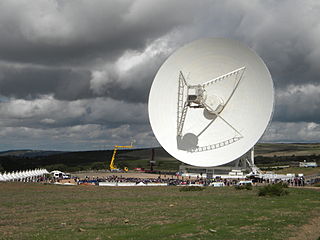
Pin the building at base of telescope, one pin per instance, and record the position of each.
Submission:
(308, 164)
(235, 169)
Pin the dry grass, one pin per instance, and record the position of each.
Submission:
(35, 211)
(287, 149)
(296, 170)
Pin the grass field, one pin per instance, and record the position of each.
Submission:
(287, 149)
(297, 170)
(267, 154)
(36, 211)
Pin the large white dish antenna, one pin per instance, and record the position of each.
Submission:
(210, 102)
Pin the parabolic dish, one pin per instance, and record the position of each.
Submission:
(210, 102)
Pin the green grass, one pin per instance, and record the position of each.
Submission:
(35, 211)
(191, 188)
(247, 186)
(297, 170)
(287, 149)
(278, 189)
(266, 155)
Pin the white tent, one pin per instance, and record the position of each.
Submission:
(27, 175)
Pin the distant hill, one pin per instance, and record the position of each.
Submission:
(29, 153)
(266, 154)
(287, 149)
(76, 161)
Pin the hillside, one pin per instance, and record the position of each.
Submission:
(266, 154)
(29, 153)
(287, 149)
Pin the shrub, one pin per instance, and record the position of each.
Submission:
(247, 186)
(191, 188)
(239, 187)
(316, 185)
(277, 189)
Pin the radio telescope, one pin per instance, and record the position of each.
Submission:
(210, 102)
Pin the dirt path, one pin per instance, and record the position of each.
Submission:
(307, 187)
(309, 231)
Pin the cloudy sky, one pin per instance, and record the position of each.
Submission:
(75, 74)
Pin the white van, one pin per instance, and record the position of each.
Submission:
(240, 183)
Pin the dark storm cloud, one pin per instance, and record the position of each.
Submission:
(80, 71)
(81, 33)
(77, 137)
(30, 82)
(93, 33)
(292, 132)
(47, 112)
(298, 104)
(130, 78)
(60, 32)
(74, 32)
(285, 38)
(49, 32)
(284, 33)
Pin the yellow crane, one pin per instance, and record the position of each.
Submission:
(112, 166)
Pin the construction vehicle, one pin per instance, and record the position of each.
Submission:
(113, 167)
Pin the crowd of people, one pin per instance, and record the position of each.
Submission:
(121, 179)
(174, 180)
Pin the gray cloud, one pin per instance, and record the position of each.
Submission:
(29, 82)
(47, 112)
(292, 132)
(60, 32)
(298, 104)
(77, 137)
(88, 65)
